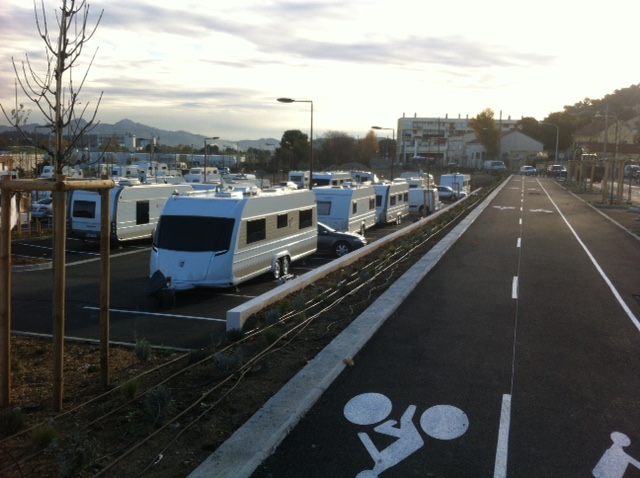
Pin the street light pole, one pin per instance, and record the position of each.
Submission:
(290, 100)
(393, 156)
(557, 138)
(205, 156)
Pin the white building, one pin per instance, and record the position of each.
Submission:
(429, 138)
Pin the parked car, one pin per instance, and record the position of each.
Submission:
(447, 194)
(42, 208)
(338, 243)
(557, 171)
(528, 171)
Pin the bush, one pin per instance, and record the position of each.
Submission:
(11, 421)
(142, 349)
(156, 402)
(75, 452)
(227, 361)
(130, 389)
(43, 435)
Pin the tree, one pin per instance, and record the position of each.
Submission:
(368, 148)
(55, 92)
(294, 151)
(487, 132)
(336, 148)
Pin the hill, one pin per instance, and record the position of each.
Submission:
(164, 137)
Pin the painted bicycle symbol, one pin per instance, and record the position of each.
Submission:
(442, 422)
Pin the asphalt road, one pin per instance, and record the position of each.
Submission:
(516, 356)
(197, 320)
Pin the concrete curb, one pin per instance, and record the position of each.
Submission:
(251, 444)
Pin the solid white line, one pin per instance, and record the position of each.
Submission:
(514, 288)
(137, 312)
(502, 450)
(615, 293)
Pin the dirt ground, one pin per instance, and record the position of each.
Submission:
(32, 395)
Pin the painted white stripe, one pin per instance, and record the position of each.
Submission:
(502, 450)
(519, 242)
(137, 312)
(520, 221)
(514, 288)
(615, 293)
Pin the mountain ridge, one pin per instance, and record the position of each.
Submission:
(164, 137)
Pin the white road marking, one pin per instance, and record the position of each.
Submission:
(502, 208)
(137, 312)
(541, 210)
(519, 242)
(615, 293)
(502, 450)
(514, 288)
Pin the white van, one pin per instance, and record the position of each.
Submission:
(392, 202)
(424, 201)
(460, 183)
(347, 209)
(135, 211)
(213, 239)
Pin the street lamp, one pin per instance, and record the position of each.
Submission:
(393, 156)
(557, 138)
(205, 156)
(290, 100)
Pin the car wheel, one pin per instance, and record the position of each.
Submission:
(285, 265)
(341, 248)
(277, 269)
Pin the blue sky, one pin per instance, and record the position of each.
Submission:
(216, 68)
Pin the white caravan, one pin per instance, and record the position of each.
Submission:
(347, 209)
(424, 201)
(392, 202)
(213, 239)
(330, 178)
(300, 178)
(363, 177)
(135, 211)
(460, 183)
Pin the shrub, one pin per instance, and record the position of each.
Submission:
(130, 389)
(75, 452)
(11, 421)
(156, 402)
(43, 435)
(226, 361)
(142, 349)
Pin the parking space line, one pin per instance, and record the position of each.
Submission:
(137, 312)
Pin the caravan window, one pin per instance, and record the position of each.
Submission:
(306, 218)
(142, 212)
(84, 209)
(354, 207)
(324, 208)
(256, 230)
(283, 220)
(194, 233)
(372, 204)
(393, 200)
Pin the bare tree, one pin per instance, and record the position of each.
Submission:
(56, 92)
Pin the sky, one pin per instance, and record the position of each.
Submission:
(216, 67)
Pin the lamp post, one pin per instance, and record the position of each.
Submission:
(290, 100)
(205, 156)
(557, 137)
(393, 156)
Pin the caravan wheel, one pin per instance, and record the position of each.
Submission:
(285, 265)
(277, 269)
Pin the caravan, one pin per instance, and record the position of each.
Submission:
(300, 178)
(392, 202)
(214, 239)
(134, 211)
(347, 209)
(330, 178)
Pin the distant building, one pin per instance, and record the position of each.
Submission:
(427, 140)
